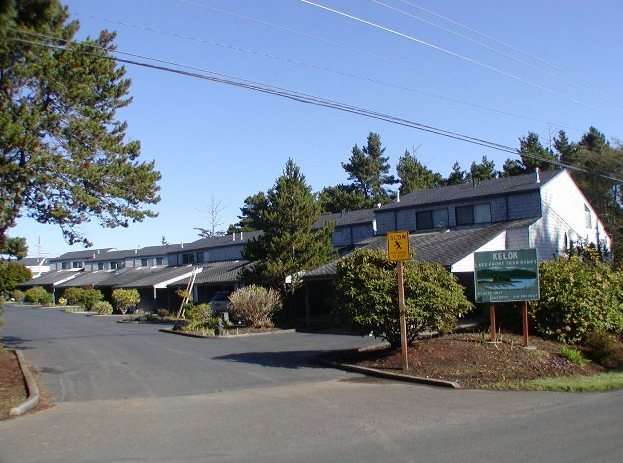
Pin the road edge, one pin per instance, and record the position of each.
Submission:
(31, 386)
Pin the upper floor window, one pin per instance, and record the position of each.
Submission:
(437, 218)
(76, 264)
(158, 260)
(65, 265)
(144, 262)
(188, 258)
(477, 213)
(114, 265)
(100, 265)
(587, 217)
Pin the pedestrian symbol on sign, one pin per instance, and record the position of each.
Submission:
(398, 246)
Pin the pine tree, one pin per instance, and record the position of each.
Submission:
(414, 175)
(457, 176)
(289, 244)
(64, 158)
(369, 170)
(485, 170)
(532, 155)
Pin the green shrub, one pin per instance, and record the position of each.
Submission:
(125, 299)
(163, 313)
(367, 293)
(254, 305)
(73, 296)
(38, 295)
(200, 318)
(573, 355)
(604, 349)
(90, 297)
(61, 301)
(17, 295)
(577, 298)
(102, 308)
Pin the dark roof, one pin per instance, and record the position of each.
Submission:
(31, 261)
(346, 218)
(81, 255)
(221, 241)
(444, 247)
(493, 187)
(218, 273)
(90, 278)
(148, 251)
(51, 278)
(140, 277)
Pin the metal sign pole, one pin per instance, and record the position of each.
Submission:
(524, 318)
(492, 323)
(403, 318)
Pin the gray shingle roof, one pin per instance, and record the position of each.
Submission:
(443, 247)
(31, 261)
(218, 273)
(493, 187)
(141, 277)
(345, 218)
(80, 255)
(90, 278)
(222, 241)
(51, 278)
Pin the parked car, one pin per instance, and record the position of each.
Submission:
(220, 302)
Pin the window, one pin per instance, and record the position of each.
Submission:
(113, 265)
(158, 260)
(437, 218)
(65, 265)
(199, 257)
(100, 265)
(468, 215)
(144, 262)
(76, 264)
(587, 217)
(188, 258)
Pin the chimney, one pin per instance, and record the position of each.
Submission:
(240, 236)
(136, 251)
(182, 244)
(538, 175)
(233, 236)
(398, 196)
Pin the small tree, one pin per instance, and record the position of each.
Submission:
(367, 292)
(125, 299)
(254, 305)
(102, 308)
(11, 275)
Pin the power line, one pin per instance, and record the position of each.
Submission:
(493, 49)
(326, 69)
(367, 53)
(297, 96)
(452, 53)
(512, 47)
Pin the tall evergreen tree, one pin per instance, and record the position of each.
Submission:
(252, 214)
(15, 247)
(339, 198)
(289, 244)
(457, 175)
(484, 170)
(532, 155)
(414, 175)
(368, 168)
(64, 158)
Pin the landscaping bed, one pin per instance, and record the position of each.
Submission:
(12, 387)
(473, 363)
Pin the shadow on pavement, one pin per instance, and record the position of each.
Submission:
(288, 359)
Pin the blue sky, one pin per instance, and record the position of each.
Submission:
(561, 70)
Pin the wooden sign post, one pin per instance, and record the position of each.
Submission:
(398, 251)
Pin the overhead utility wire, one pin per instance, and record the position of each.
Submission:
(450, 52)
(327, 69)
(300, 97)
(495, 50)
(368, 53)
(512, 47)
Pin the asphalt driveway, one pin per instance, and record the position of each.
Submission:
(84, 357)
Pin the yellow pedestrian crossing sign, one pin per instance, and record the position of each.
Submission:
(398, 246)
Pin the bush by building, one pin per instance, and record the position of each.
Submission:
(102, 308)
(38, 295)
(125, 299)
(254, 305)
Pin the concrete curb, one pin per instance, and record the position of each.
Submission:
(389, 375)
(31, 386)
(229, 336)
